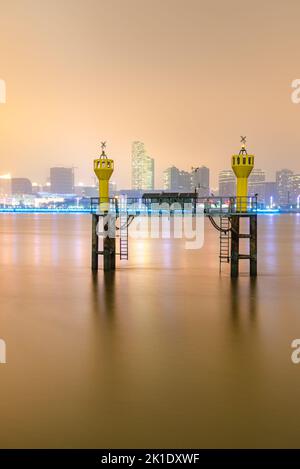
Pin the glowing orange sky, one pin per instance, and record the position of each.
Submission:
(187, 77)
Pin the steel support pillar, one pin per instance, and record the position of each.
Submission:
(253, 245)
(109, 249)
(109, 243)
(235, 242)
(95, 242)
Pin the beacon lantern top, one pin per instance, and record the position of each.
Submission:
(242, 163)
(103, 166)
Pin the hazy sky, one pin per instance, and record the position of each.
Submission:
(187, 77)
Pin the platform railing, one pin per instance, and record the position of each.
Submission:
(149, 204)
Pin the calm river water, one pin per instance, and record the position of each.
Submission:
(163, 353)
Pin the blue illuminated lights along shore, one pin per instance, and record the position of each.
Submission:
(44, 210)
(88, 210)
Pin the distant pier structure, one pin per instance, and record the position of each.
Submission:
(103, 168)
(235, 218)
(110, 219)
(242, 165)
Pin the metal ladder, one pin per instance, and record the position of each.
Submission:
(224, 241)
(123, 235)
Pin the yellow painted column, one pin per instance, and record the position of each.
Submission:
(242, 165)
(103, 168)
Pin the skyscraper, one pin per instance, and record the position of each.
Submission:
(62, 180)
(200, 181)
(283, 186)
(256, 184)
(227, 183)
(294, 188)
(176, 180)
(171, 179)
(184, 181)
(271, 198)
(142, 168)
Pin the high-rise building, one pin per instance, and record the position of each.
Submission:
(200, 181)
(283, 186)
(142, 168)
(294, 188)
(176, 180)
(184, 181)
(62, 180)
(21, 186)
(271, 198)
(256, 184)
(227, 183)
(171, 179)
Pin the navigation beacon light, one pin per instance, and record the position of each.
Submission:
(242, 165)
(103, 168)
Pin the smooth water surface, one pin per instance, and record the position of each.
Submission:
(163, 353)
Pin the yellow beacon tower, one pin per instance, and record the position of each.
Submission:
(242, 165)
(103, 168)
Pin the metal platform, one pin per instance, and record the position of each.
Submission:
(227, 210)
(186, 203)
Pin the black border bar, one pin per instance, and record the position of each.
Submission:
(147, 457)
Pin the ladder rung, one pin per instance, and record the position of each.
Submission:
(224, 241)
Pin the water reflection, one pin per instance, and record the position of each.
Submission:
(243, 294)
(162, 352)
(103, 293)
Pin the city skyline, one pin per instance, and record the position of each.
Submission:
(183, 84)
(158, 179)
(282, 193)
(191, 172)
